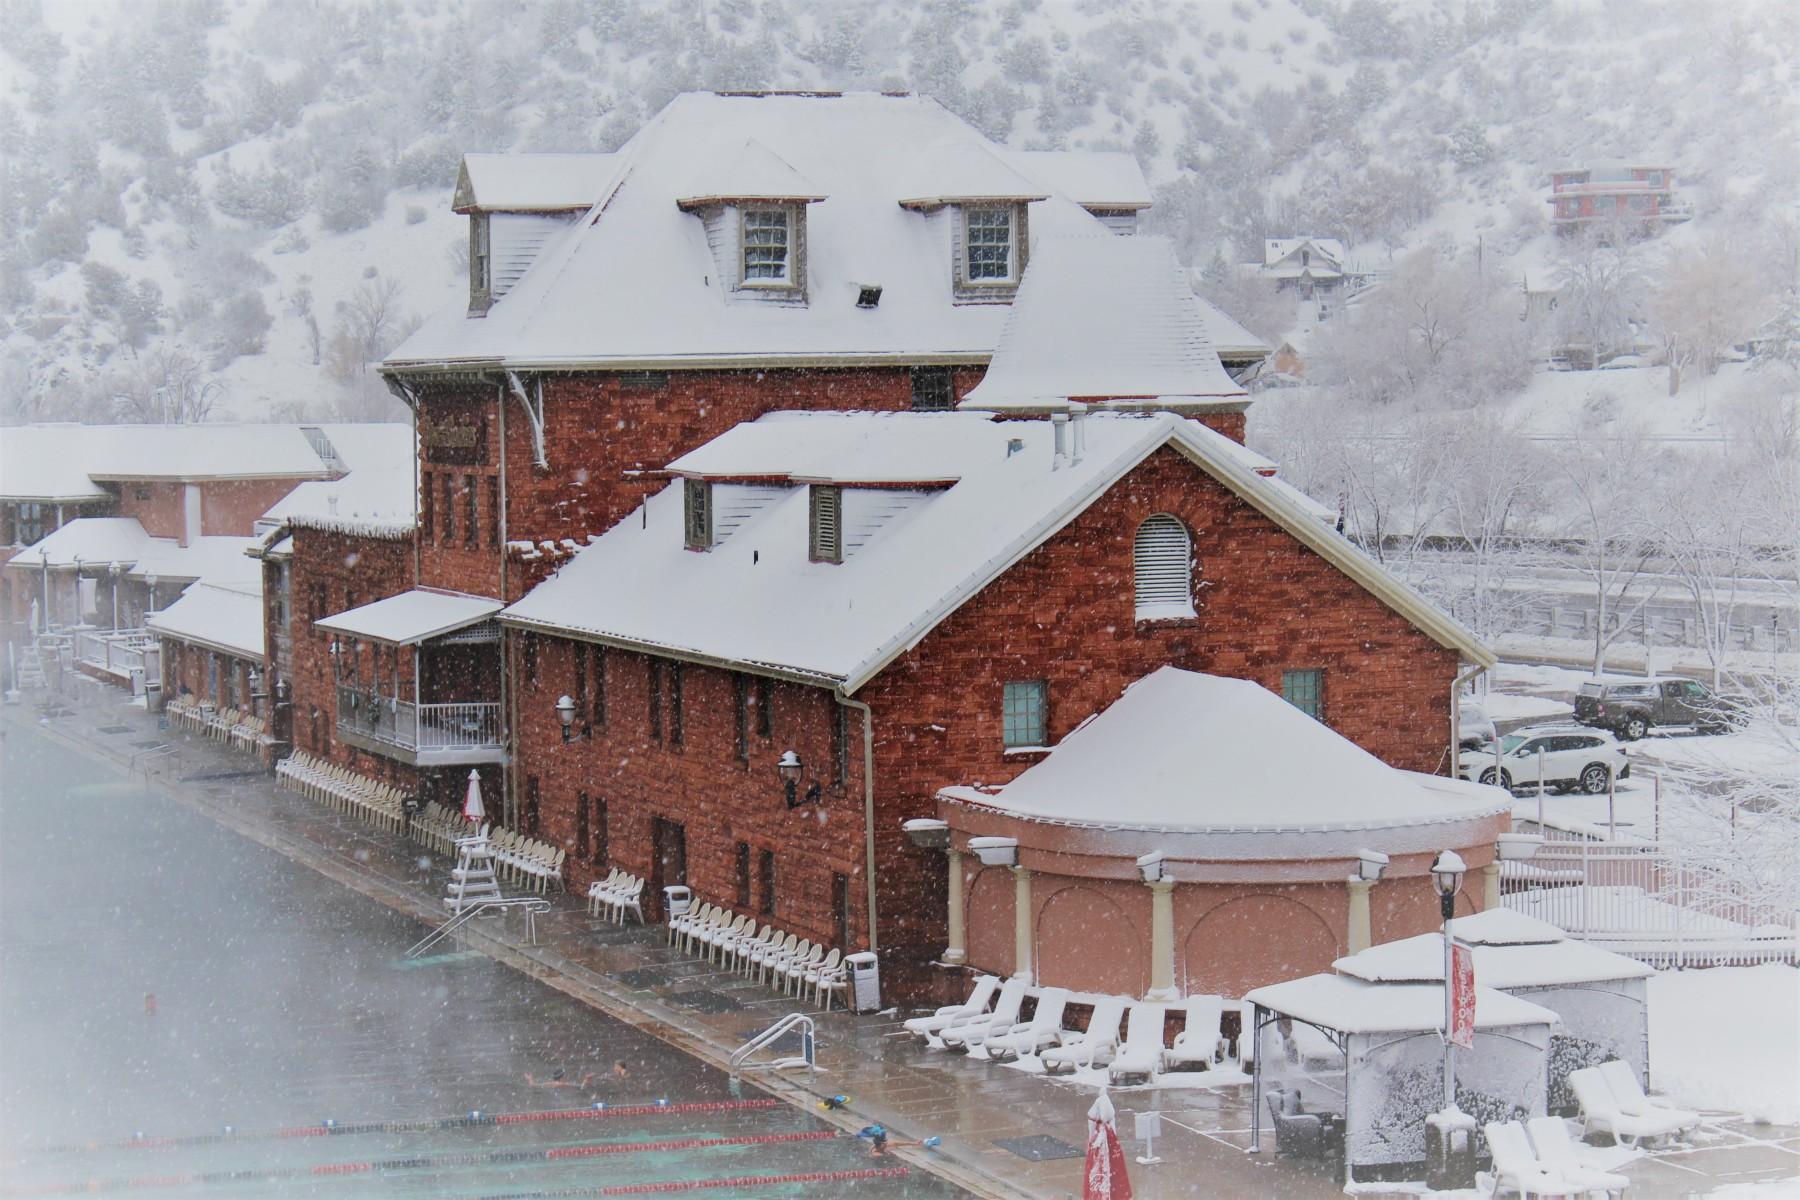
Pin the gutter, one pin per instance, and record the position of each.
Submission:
(868, 724)
(696, 362)
(790, 675)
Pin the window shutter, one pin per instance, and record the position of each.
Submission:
(1163, 564)
(698, 494)
(827, 524)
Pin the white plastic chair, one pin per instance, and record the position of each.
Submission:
(961, 1032)
(1043, 1030)
(1556, 1153)
(1200, 1041)
(980, 996)
(1082, 1049)
(1143, 1049)
(1517, 1168)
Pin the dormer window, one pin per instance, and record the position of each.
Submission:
(988, 242)
(827, 524)
(768, 247)
(697, 513)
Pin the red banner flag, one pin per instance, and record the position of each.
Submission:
(1462, 996)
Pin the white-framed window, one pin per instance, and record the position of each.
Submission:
(1163, 569)
(768, 247)
(990, 244)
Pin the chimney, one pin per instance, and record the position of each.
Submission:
(1077, 432)
(1059, 427)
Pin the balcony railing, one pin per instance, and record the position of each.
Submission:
(418, 727)
(117, 651)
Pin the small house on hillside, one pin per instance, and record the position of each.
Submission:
(1614, 190)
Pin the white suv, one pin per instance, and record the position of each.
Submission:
(1574, 757)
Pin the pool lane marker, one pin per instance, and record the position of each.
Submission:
(416, 1162)
(471, 1119)
(698, 1185)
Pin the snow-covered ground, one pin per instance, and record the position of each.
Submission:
(1728, 1038)
(1502, 706)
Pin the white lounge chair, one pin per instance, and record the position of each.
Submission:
(1199, 1044)
(1556, 1152)
(1601, 1111)
(1042, 1031)
(1629, 1093)
(1517, 1169)
(1101, 1037)
(970, 1031)
(980, 996)
(1142, 1052)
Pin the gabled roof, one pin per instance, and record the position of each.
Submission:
(378, 495)
(48, 463)
(1094, 179)
(1185, 752)
(225, 616)
(1104, 317)
(1352, 1006)
(1276, 249)
(532, 182)
(96, 542)
(755, 601)
(634, 281)
(750, 171)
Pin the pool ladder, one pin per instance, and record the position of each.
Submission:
(808, 1056)
(531, 906)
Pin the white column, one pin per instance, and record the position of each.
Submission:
(1360, 937)
(1162, 942)
(957, 951)
(1022, 924)
(1490, 885)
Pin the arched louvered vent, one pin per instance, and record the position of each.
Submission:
(1163, 563)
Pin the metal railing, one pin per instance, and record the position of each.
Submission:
(413, 726)
(531, 906)
(118, 651)
(808, 1056)
(1644, 900)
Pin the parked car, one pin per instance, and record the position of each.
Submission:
(1477, 728)
(1574, 758)
(1631, 708)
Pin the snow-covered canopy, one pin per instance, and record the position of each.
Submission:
(1511, 951)
(1104, 318)
(1353, 1006)
(1185, 752)
(48, 463)
(93, 543)
(226, 616)
(636, 282)
(985, 493)
(411, 617)
(532, 182)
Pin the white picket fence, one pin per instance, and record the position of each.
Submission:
(1640, 899)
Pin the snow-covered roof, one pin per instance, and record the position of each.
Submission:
(411, 617)
(216, 557)
(1511, 950)
(1187, 752)
(635, 281)
(985, 495)
(225, 616)
(1229, 340)
(68, 462)
(1277, 249)
(95, 542)
(88, 540)
(359, 444)
(1094, 179)
(367, 497)
(532, 182)
(1352, 1006)
(750, 171)
(1104, 317)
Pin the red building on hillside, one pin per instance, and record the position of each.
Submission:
(1615, 192)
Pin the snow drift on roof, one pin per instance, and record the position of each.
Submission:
(51, 462)
(89, 540)
(225, 616)
(533, 182)
(47, 463)
(1506, 963)
(1352, 1006)
(96, 542)
(750, 171)
(1108, 179)
(964, 168)
(1103, 316)
(635, 280)
(411, 617)
(1188, 752)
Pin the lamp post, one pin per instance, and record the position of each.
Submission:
(112, 573)
(1447, 875)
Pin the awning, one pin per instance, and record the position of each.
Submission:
(411, 617)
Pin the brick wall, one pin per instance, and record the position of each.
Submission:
(158, 507)
(231, 506)
(190, 670)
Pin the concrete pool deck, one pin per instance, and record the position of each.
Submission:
(630, 974)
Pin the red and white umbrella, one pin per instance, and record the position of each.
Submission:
(473, 809)
(1103, 1177)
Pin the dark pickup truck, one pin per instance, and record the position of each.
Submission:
(1631, 708)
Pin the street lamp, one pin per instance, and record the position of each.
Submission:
(1450, 1129)
(565, 715)
(1447, 876)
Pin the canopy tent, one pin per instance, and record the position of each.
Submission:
(411, 617)
(1367, 1058)
(1601, 997)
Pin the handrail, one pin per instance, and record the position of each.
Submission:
(808, 1056)
(530, 905)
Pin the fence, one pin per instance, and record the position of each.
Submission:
(418, 726)
(118, 651)
(1641, 899)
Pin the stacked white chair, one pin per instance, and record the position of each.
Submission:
(343, 789)
(621, 895)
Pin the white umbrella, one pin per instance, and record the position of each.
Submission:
(473, 809)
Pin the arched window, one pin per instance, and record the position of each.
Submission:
(1163, 564)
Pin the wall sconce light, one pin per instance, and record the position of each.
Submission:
(789, 767)
(927, 833)
(1517, 847)
(256, 688)
(1150, 867)
(565, 716)
(996, 851)
(1370, 864)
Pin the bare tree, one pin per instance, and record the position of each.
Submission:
(1705, 301)
(1602, 284)
(165, 386)
(1610, 534)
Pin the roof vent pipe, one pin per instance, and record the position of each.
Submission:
(1059, 427)
(1014, 445)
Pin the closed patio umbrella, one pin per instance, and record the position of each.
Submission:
(1103, 1177)
(473, 809)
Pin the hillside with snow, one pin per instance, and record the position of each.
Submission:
(237, 206)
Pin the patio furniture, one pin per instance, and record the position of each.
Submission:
(1200, 1042)
(1100, 1037)
(970, 1031)
(1602, 1111)
(1028, 1037)
(1517, 1168)
(980, 996)
(1556, 1152)
(1142, 1052)
(1298, 1134)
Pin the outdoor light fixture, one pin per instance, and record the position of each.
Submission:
(1370, 864)
(996, 851)
(1150, 867)
(1446, 875)
(1517, 847)
(927, 833)
(565, 715)
(789, 767)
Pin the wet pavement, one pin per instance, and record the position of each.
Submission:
(459, 1032)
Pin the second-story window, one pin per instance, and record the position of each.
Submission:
(471, 516)
(988, 245)
(768, 247)
(1024, 714)
(827, 524)
(697, 510)
(932, 390)
(740, 718)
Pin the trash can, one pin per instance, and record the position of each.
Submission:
(865, 981)
(677, 899)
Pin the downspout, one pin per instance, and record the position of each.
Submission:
(509, 769)
(868, 724)
(1456, 719)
